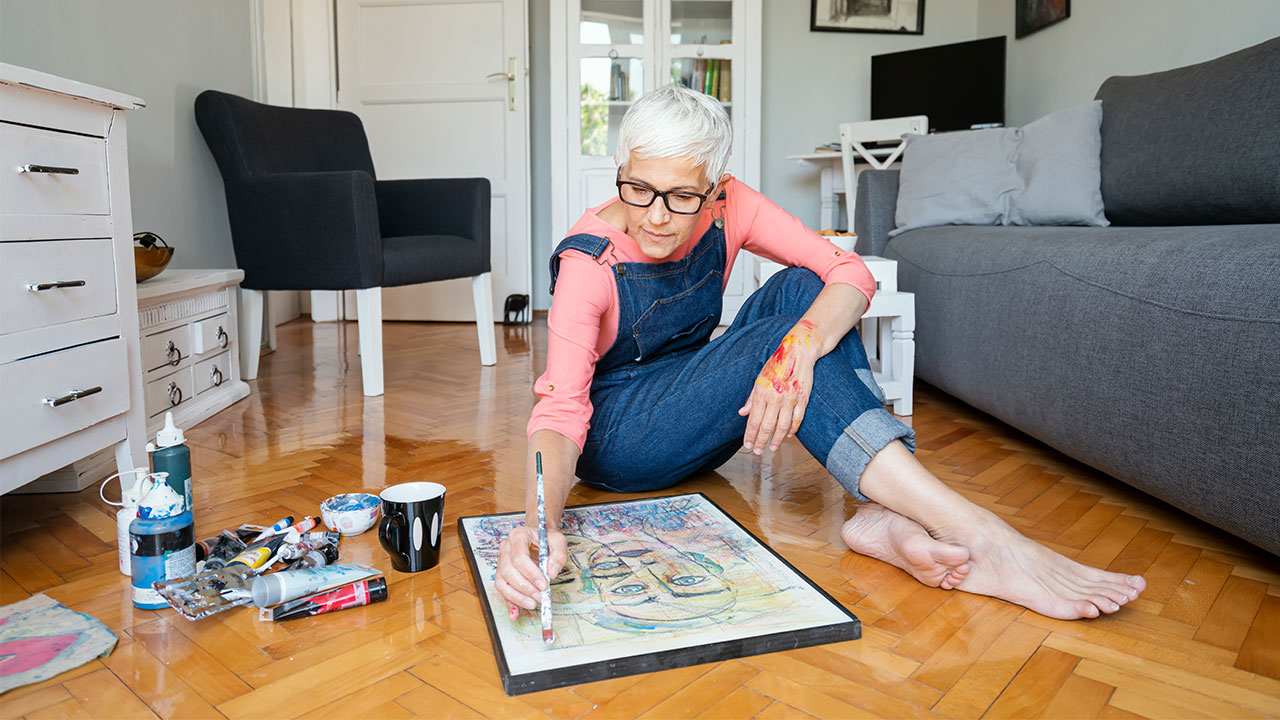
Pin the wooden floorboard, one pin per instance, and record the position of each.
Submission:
(1204, 640)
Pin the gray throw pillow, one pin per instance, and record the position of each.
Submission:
(1059, 162)
(958, 178)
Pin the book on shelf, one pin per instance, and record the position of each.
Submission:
(619, 89)
(723, 95)
(832, 147)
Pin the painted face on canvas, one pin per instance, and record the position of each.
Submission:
(643, 581)
(657, 230)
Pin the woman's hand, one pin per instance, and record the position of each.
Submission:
(518, 578)
(781, 393)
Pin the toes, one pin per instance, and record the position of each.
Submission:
(1117, 594)
(1104, 603)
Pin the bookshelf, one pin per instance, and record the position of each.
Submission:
(606, 53)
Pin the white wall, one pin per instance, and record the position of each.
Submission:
(1063, 65)
(165, 52)
(813, 81)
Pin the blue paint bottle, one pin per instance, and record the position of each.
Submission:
(170, 455)
(161, 549)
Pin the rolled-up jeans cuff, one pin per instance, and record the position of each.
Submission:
(858, 443)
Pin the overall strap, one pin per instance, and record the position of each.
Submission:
(592, 245)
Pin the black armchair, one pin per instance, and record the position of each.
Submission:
(307, 212)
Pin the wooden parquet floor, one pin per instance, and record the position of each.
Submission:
(1203, 641)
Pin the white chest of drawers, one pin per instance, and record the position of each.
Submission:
(70, 362)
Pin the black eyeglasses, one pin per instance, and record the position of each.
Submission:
(680, 202)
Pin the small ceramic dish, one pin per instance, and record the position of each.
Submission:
(351, 513)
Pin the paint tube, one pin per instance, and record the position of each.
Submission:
(318, 557)
(320, 538)
(305, 524)
(285, 586)
(216, 551)
(279, 527)
(365, 592)
(248, 532)
(258, 553)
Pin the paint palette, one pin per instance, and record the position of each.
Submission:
(209, 592)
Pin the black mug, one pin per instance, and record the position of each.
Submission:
(412, 520)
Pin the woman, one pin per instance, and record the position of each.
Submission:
(637, 397)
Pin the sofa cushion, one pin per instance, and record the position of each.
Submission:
(961, 178)
(1197, 145)
(1148, 353)
(1058, 162)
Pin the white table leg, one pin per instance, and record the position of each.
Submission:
(904, 359)
(828, 199)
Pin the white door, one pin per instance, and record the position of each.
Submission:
(430, 82)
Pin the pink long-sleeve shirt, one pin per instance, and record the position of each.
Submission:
(583, 321)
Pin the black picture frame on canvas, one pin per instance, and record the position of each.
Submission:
(652, 662)
(814, 26)
(1031, 16)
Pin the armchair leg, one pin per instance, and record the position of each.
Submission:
(369, 323)
(251, 310)
(482, 292)
(269, 319)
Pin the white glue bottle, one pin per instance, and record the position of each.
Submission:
(131, 492)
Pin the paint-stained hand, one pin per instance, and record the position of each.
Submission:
(518, 578)
(780, 395)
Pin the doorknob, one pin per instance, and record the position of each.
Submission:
(510, 76)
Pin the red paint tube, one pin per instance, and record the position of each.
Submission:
(365, 592)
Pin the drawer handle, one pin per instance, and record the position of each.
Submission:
(216, 374)
(173, 353)
(72, 396)
(55, 285)
(175, 394)
(50, 169)
(222, 336)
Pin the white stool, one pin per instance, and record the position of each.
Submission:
(888, 329)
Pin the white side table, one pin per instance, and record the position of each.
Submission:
(889, 334)
(831, 183)
(888, 329)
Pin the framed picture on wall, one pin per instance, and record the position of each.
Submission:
(1035, 15)
(904, 17)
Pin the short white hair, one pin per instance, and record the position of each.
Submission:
(674, 121)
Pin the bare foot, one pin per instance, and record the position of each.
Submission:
(1007, 565)
(878, 532)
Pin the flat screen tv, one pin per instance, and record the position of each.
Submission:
(958, 86)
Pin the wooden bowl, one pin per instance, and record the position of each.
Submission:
(149, 262)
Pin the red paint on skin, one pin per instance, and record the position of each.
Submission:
(779, 372)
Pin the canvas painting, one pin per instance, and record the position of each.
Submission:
(872, 16)
(1033, 15)
(649, 585)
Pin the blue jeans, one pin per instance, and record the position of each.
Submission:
(657, 423)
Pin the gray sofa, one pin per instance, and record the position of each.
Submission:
(1150, 349)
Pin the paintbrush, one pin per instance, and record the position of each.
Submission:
(544, 557)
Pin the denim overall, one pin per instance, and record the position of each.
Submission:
(665, 396)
